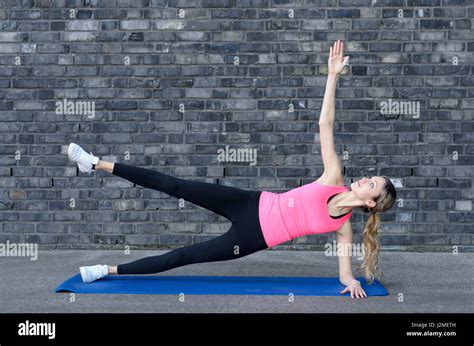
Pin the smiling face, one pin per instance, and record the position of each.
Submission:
(368, 189)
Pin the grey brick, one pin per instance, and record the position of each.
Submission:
(78, 36)
(134, 24)
(13, 238)
(51, 228)
(134, 217)
(68, 216)
(17, 227)
(175, 239)
(71, 238)
(436, 24)
(151, 228)
(84, 228)
(423, 2)
(35, 217)
(43, 239)
(142, 239)
(448, 47)
(129, 205)
(86, 25)
(121, 228)
(343, 13)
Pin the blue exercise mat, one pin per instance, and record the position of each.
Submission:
(212, 285)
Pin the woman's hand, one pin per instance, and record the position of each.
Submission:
(356, 290)
(336, 59)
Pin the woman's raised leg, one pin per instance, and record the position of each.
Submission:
(229, 202)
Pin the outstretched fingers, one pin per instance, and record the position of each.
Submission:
(337, 49)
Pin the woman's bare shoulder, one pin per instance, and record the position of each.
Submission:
(331, 179)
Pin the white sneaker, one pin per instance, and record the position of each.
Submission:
(83, 159)
(93, 273)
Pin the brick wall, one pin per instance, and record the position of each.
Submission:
(169, 83)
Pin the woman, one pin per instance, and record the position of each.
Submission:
(262, 219)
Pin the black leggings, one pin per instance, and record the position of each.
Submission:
(239, 206)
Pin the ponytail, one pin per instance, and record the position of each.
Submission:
(371, 244)
(371, 247)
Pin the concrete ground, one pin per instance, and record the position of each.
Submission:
(417, 283)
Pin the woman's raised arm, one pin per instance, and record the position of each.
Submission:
(336, 63)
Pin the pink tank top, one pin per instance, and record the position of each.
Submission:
(298, 212)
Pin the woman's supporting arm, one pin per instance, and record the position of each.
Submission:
(344, 242)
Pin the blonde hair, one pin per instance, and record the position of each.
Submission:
(371, 244)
